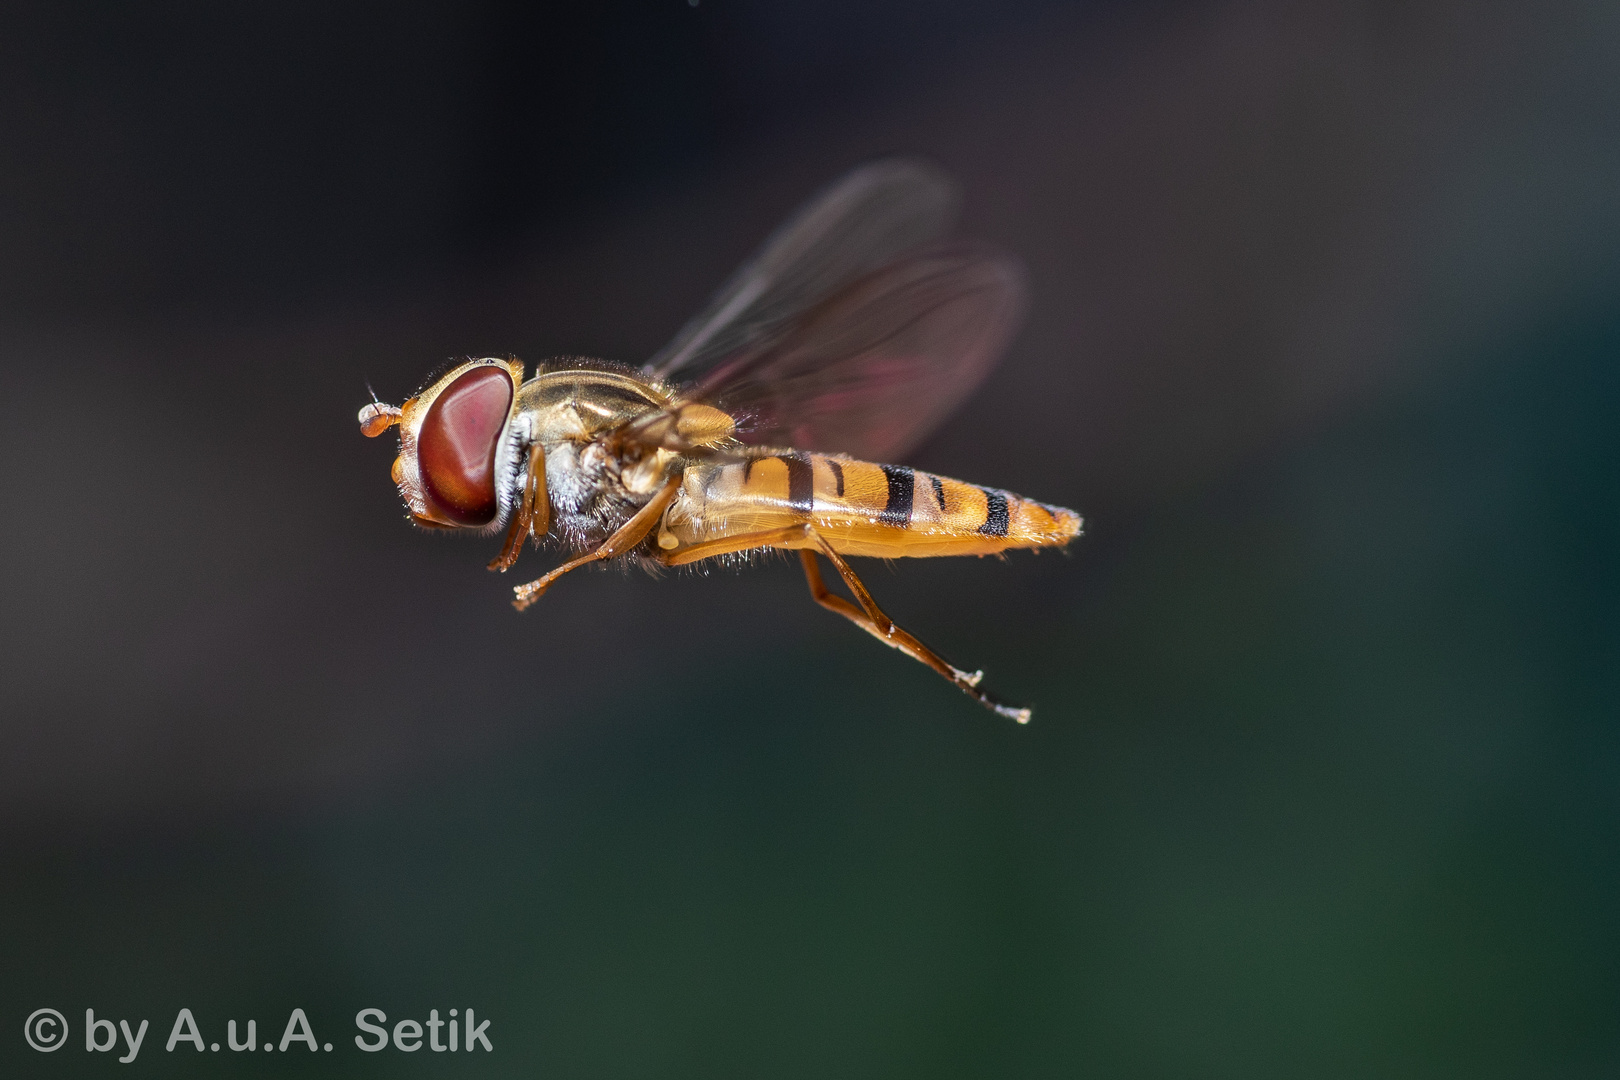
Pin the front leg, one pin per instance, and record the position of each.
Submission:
(625, 539)
(532, 515)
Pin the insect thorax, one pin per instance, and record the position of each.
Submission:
(569, 411)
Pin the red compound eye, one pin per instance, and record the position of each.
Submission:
(456, 446)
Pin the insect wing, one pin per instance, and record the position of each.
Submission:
(871, 217)
(874, 368)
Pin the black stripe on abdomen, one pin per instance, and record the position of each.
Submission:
(801, 482)
(838, 476)
(995, 514)
(939, 492)
(902, 484)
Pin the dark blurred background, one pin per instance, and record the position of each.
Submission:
(1324, 777)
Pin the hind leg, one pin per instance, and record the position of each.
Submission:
(869, 617)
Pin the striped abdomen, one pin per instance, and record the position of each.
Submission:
(859, 507)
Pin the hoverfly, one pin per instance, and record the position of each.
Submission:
(850, 335)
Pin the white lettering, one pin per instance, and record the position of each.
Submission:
(476, 1034)
(371, 1029)
(190, 1033)
(92, 1025)
(134, 1041)
(304, 1035)
(252, 1039)
(408, 1030)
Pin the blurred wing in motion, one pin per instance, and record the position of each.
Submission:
(871, 217)
(872, 369)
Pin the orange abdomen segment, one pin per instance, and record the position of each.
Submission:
(861, 508)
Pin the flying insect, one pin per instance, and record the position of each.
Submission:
(853, 332)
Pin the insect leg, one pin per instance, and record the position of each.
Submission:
(533, 513)
(628, 536)
(870, 617)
